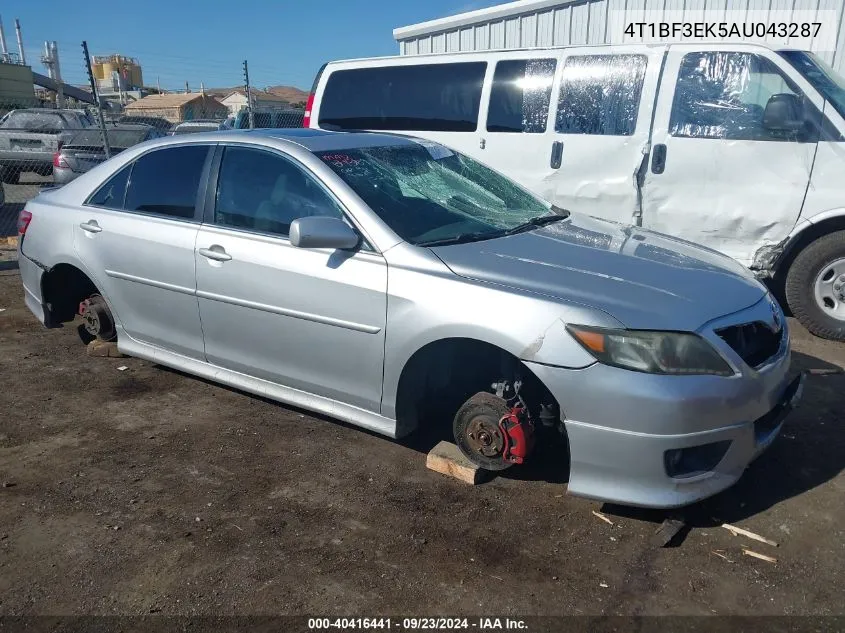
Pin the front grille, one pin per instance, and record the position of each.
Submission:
(754, 342)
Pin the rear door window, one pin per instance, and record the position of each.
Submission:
(425, 97)
(166, 181)
(519, 98)
(600, 94)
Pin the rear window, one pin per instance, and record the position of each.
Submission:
(44, 122)
(117, 138)
(426, 97)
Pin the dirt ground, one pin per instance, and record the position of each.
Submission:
(148, 491)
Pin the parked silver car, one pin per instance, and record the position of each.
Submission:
(392, 283)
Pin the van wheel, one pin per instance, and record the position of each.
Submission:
(815, 287)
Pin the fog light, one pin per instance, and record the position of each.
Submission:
(682, 463)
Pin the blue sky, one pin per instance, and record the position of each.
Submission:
(177, 40)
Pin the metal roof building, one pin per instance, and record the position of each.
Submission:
(542, 23)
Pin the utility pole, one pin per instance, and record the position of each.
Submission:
(248, 96)
(96, 99)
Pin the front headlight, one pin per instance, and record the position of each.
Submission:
(676, 353)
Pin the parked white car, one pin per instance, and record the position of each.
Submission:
(738, 148)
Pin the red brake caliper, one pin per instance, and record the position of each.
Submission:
(518, 432)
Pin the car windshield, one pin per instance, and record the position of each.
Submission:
(823, 78)
(429, 195)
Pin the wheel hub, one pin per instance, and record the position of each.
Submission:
(485, 437)
(91, 320)
(96, 318)
(829, 289)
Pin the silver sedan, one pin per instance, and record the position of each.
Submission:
(392, 283)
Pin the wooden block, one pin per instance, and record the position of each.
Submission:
(104, 349)
(446, 458)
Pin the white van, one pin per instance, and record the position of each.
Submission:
(737, 147)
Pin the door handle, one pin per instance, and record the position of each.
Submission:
(215, 252)
(557, 155)
(658, 159)
(91, 226)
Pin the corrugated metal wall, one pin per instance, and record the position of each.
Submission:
(595, 22)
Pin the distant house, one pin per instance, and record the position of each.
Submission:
(177, 107)
(236, 101)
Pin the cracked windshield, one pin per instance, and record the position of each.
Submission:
(430, 195)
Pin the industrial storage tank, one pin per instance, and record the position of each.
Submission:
(127, 68)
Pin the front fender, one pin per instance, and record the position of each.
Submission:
(425, 308)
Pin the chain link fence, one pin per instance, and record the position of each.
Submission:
(43, 146)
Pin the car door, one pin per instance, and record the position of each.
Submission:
(136, 235)
(602, 119)
(516, 138)
(310, 319)
(718, 176)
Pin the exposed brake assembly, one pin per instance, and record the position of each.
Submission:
(495, 431)
(517, 428)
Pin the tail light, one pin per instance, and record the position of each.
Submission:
(24, 218)
(306, 120)
(309, 105)
(59, 160)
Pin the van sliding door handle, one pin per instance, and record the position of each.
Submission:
(658, 159)
(557, 155)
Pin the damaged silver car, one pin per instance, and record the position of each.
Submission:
(393, 283)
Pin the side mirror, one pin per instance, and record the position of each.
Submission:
(322, 232)
(784, 113)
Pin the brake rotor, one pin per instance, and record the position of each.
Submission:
(97, 319)
(477, 432)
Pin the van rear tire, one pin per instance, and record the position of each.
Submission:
(815, 287)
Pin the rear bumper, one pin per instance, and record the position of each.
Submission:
(28, 161)
(31, 273)
(620, 425)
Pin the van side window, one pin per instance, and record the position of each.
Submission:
(110, 195)
(425, 97)
(520, 95)
(600, 94)
(165, 181)
(261, 191)
(724, 96)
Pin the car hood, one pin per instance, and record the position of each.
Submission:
(645, 280)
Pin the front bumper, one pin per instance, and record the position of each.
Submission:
(620, 425)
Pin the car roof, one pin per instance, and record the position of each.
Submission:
(311, 139)
(322, 140)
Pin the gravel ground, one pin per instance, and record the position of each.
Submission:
(149, 491)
